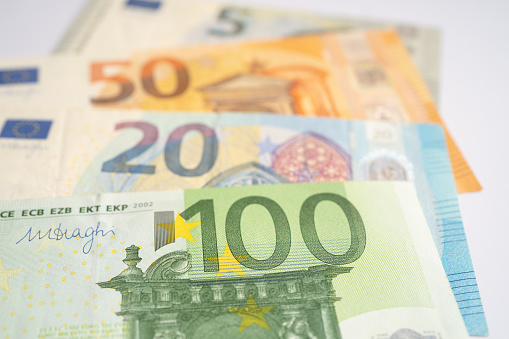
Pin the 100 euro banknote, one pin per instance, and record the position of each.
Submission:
(354, 75)
(116, 27)
(349, 260)
(88, 152)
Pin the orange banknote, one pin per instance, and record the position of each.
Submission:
(353, 75)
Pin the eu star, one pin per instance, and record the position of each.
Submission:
(181, 227)
(252, 314)
(6, 274)
(227, 263)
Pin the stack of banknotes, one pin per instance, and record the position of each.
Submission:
(190, 169)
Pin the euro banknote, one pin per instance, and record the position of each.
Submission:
(116, 27)
(360, 75)
(350, 260)
(85, 152)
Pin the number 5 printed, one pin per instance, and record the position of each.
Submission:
(125, 86)
(231, 21)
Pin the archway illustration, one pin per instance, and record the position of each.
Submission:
(162, 303)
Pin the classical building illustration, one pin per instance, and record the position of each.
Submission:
(163, 303)
(250, 93)
(248, 174)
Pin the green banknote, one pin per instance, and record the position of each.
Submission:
(330, 260)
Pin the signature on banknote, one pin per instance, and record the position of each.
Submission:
(29, 150)
(58, 234)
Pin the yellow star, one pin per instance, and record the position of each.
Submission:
(252, 314)
(227, 262)
(182, 228)
(47, 242)
(6, 274)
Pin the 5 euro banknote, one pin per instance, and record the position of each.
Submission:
(119, 27)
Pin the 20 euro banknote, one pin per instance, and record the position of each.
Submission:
(88, 152)
(355, 75)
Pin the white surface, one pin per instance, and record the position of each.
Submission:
(474, 102)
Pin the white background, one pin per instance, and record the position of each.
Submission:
(474, 102)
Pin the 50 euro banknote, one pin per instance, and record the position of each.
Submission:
(118, 27)
(354, 75)
(333, 260)
(85, 152)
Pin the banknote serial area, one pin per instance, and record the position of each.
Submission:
(188, 169)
